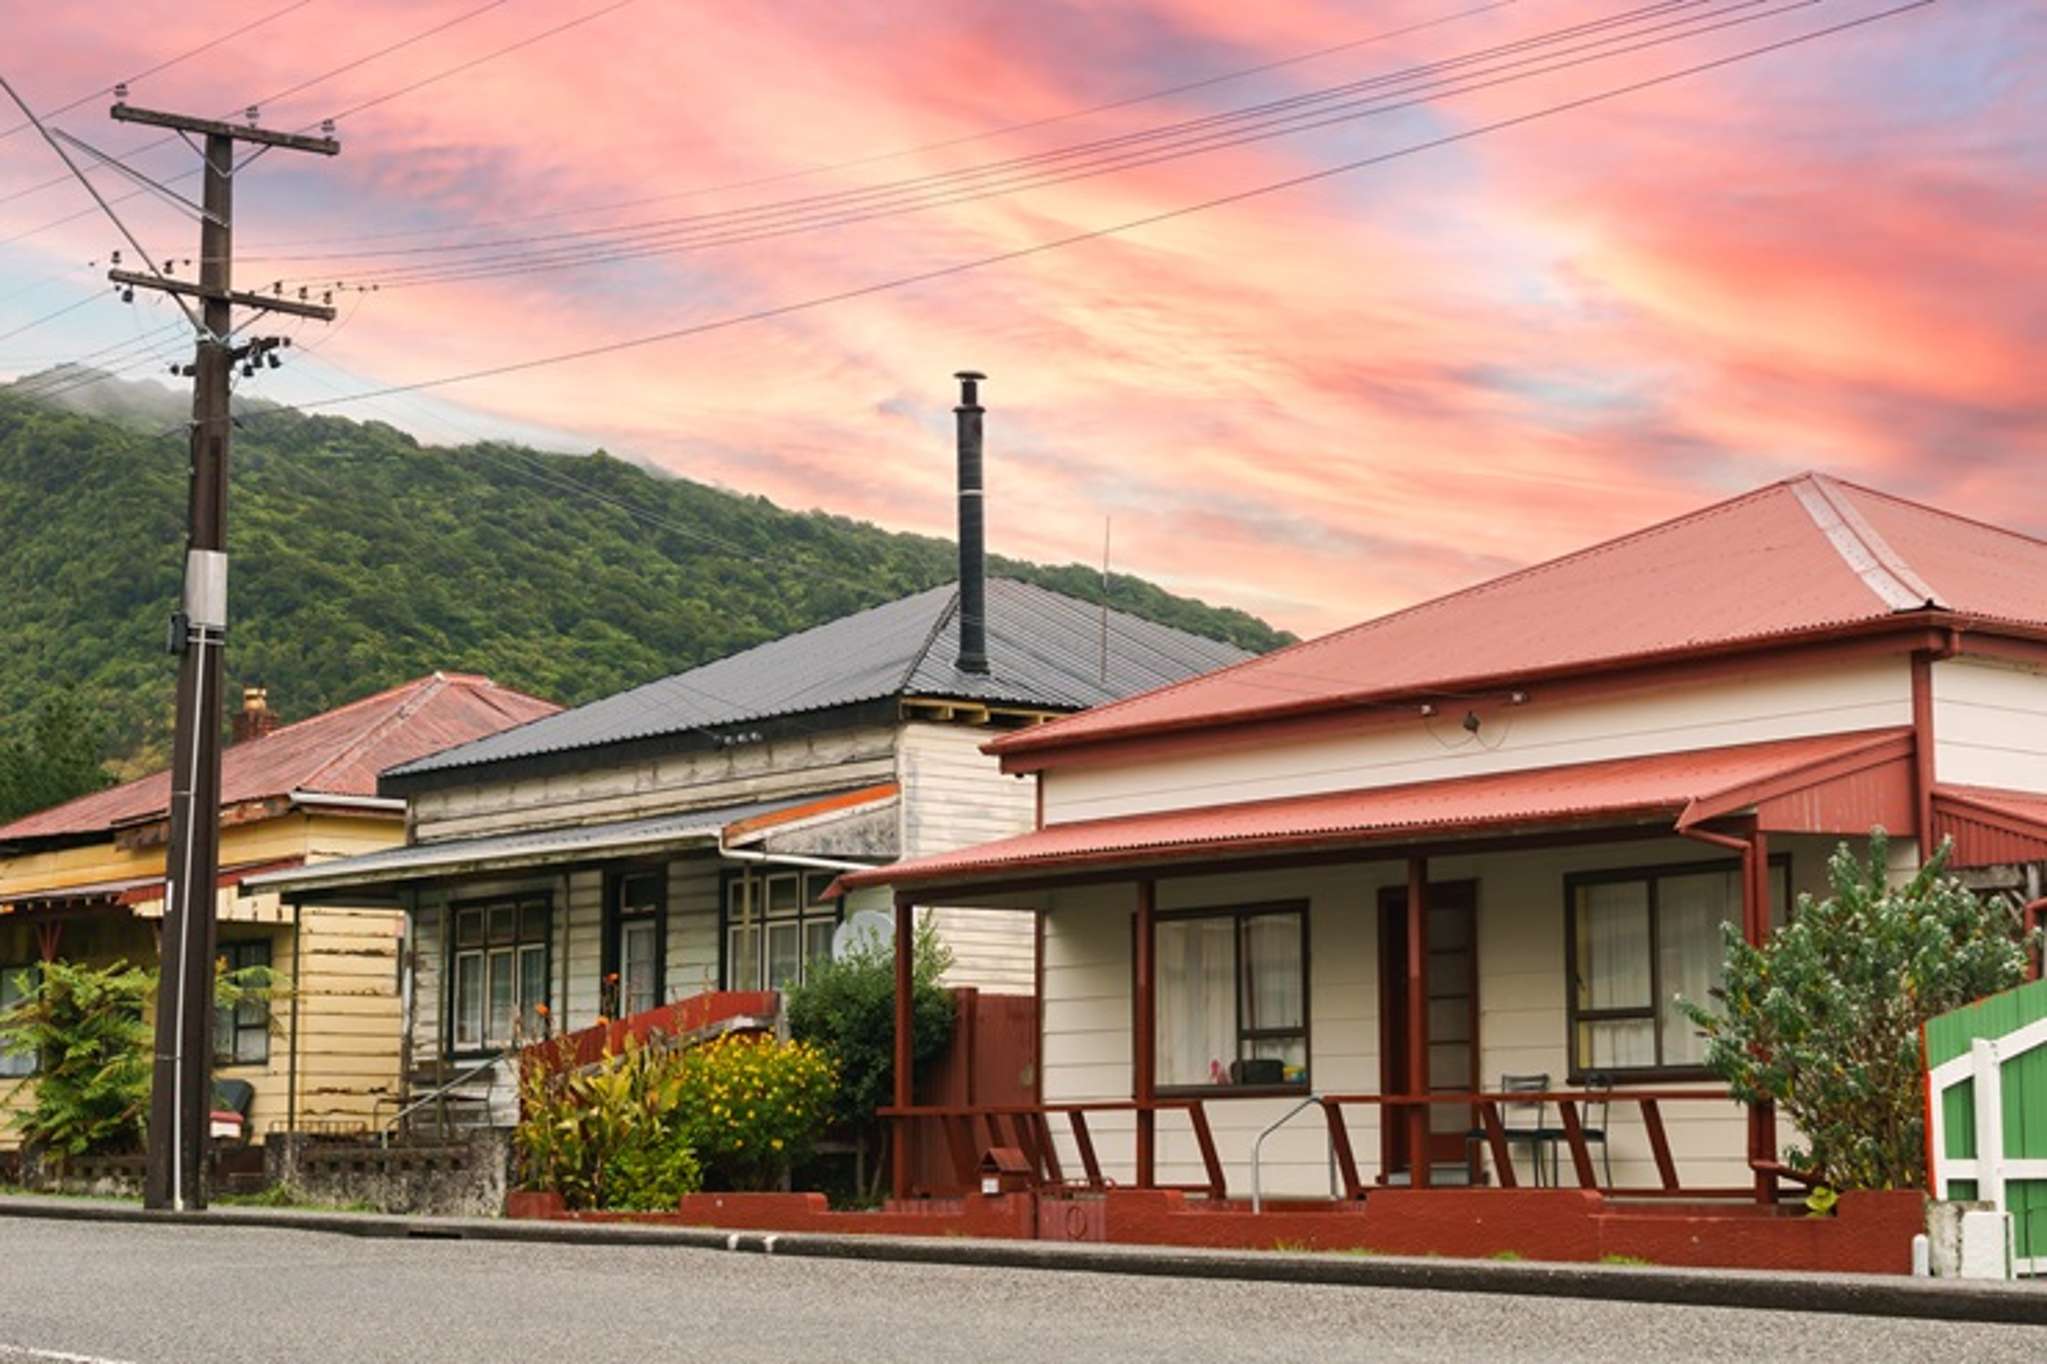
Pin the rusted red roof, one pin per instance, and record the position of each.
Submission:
(1666, 785)
(336, 753)
(1799, 557)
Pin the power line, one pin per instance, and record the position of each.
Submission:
(1427, 91)
(161, 66)
(324, 76)
(1004, 130)
(1033, 158)
(1128, 225)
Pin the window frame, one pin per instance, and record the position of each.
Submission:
(224, 1050)
(1577, 1073)
(1306, 1032)
(809, 910)
(518, 904)
(33, 1061)
(616, 917)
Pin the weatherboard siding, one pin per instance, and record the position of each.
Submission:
(1990, 724)
(955, 796)
(1520, 936)
(776, 769)
(1753, 708)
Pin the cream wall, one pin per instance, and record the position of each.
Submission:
(1990, 724)
(1522, 1029)
(1757, 707)
(955, 796)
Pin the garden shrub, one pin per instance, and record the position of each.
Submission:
(1824, 1018)
(847, 1007)
(606, 1136)
(754, 1106)
(88, 1030)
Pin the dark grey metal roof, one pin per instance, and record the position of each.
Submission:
(532, 848)
(1044, 648)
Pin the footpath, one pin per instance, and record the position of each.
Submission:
(2023, 1303)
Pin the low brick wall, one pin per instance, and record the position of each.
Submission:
(1869, 1233)
(91, 1176)
(466, 1178)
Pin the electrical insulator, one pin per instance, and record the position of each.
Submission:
(121, 93)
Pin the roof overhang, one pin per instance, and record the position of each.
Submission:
(1841, 784)
(384, 877)
(1991, 827)
(127, 892)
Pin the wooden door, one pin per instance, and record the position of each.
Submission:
(1452, 982)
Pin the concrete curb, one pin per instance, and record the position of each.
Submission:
(1844, 1294)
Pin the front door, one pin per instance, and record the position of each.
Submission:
(1452, 981)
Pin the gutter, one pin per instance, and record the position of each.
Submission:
(381, 804)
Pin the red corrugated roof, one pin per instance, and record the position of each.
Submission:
(1798, 557)
(1616, 789)
(338, 752)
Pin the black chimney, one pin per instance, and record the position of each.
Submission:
(973, 529)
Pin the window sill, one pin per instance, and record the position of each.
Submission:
(1296, 1089)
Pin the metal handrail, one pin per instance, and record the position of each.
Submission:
(384, 1132)
(1258, 1150)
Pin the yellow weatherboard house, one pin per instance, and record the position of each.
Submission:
(83, 881)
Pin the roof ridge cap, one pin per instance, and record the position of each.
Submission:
(2010, 533)
(1860, 546)
(430, 688)
(923, 651)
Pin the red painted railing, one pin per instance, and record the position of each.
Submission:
(970, 1131)
(587, 1046)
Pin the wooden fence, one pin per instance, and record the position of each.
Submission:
(1986, 1105)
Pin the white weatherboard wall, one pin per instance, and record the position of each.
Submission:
(1871, 694)
(1522, 1016)
(955, 796)
(1990, 724)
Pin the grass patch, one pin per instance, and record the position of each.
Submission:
(1624, 1260)
(1507, 1255)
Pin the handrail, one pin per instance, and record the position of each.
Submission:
(384, 1132)
(1258, 1150)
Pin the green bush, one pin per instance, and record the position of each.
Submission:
(87, 1029)
(606, 1136)
(753, 1106)
(848, 1007)
(1824, 1018)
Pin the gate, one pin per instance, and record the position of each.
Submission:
(1986, 1104)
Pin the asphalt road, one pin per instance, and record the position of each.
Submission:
(103, 1293)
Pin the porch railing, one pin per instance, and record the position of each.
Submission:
(971, 1130)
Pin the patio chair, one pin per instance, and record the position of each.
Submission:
(1597, 1113)
(1522, 1122)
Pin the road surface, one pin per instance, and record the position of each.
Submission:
(98, 1292)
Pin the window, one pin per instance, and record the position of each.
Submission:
(1639, 941)
(1233, 997)
(15, 984)
(634, 947)
(776, 926)
(499, 980)
(241, 1035)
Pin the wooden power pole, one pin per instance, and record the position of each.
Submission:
(181, 1097)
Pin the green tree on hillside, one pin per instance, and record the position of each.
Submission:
(54, 758)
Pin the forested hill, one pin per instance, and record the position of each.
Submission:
(361, 559)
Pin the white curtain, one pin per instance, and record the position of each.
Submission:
(1197, 1013)
(1689, 911)
(1613, 973)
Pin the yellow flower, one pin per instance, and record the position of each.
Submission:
(776, 1143)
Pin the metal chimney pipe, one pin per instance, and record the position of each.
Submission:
(973, 656)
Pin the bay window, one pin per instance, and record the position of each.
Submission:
(1639, 941)
(1232, 997)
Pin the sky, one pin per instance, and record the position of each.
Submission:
(1504, 338)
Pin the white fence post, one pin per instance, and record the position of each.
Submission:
(1989, 1095)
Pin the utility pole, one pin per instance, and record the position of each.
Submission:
(181, 1096)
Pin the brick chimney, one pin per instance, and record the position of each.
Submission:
(255, 719)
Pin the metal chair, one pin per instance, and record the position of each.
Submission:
(1595, 1128)
(1522, 1121)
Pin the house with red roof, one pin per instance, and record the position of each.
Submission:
(83, 881)
(1414, 904)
